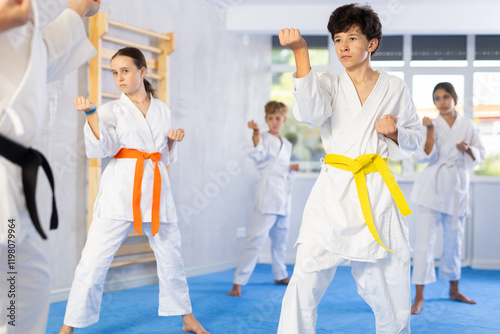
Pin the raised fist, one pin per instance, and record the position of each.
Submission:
(253, 125)
(175, 135)
(83, 104)
(463, 146)
(14, 13)
(85, 7)
(291, 38)
(386, 125)
(426, 121)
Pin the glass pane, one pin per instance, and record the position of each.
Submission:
(318, 51)
(453, 47)
(423, 85)
(307, 145)
(487, 116)
(285, 56)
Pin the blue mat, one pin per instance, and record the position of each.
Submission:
(257, 312)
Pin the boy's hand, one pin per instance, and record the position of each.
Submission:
(387, 127)
(291, 38)
(84, 7)
(14, 13)
(426, 121)
(463, 146)
(253, 125)
(175, 135)
(83, 104)
(294, 167)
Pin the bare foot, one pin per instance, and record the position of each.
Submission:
(66, 330)
(459, 297)
(417, 306)
(192, 325)
(236, 291)
(284, 281)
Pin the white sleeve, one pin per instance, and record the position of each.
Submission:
(477, 148)
(312, 103)
(258, 153)
(408, 126)
(168, 157)
(108, 145)
(67, 45)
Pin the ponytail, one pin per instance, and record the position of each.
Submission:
(149, 88)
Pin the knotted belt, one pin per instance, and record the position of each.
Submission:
(139, 170)
(366, 164)
(29, 160)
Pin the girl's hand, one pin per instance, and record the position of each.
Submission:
(175, 135)
(463, 146)
(294, 167)
(83, 104)
(426, 121)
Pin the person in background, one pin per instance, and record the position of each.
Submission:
(452, 148)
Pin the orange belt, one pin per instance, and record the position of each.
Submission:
(139, 170)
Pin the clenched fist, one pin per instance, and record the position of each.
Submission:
(253, 125)
(83, 104)
(463, 146)
(14, 13)
(85, 7)
(291, 38)
(175, 135)
(426, 121)
(387, 127)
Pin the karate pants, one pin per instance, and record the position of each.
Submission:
(450, 265)
(104, 238)
(262, 225)
(384, 285)
(32, 285)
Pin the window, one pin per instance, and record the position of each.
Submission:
(487, 116)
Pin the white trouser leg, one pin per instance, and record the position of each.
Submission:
(104, 238)
(385, 286)
(313, 272)
(450, 263)
(427, 226)
(174, 291)
(279, 239)
(257, 234)
(30, 287)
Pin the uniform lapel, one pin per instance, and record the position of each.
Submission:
(142, 121)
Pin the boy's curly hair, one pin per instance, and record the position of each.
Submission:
(347, 16)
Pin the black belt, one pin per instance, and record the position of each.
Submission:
(29, 160)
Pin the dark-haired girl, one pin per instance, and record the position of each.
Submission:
(134, 193)
(452, 148)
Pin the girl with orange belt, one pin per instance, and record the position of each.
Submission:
(134, 193)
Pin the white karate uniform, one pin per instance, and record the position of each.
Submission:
(122, 125)
(29, 58)
(272, 208)
(442, 191)
(333, 222)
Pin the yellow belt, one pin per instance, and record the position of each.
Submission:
(366, 164)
